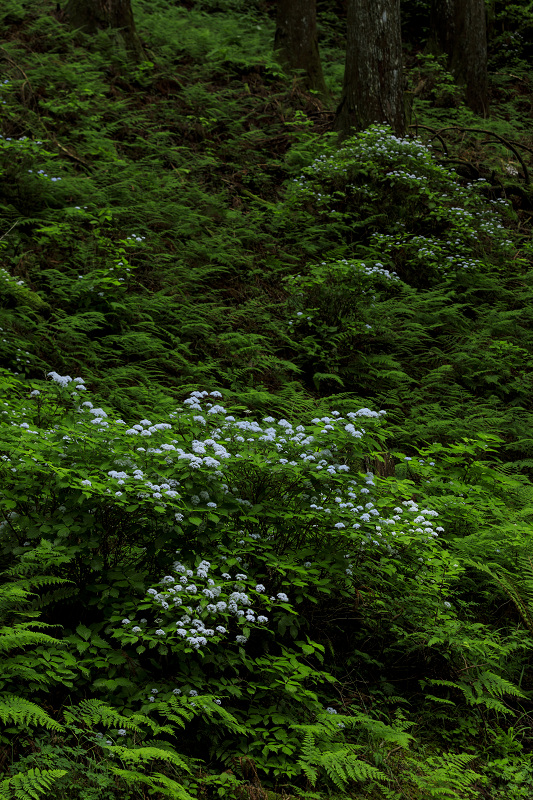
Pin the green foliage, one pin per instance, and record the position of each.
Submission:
(23, 713)
(296, 594)
(446, 778)
(322, 752)
(293, 495)
(405, 317)
(517, 586)
(29, 785)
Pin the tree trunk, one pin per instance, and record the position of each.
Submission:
(442, 26)
(93, 15)
(373, 74)
(296, 41)
(459, 29)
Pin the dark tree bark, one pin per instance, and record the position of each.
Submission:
(459, 29)
(373, 75)
(93, 15)
(296, 41)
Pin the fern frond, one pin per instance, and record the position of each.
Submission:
(160, 783)
(380, 730)
(55, 596)
(309, 746)
(498, 686)
(438, 699)
(16, 668)
(16, 710)
(19, 636)
(96, 712)
(173, 708)
(445, 778)
(524, 608)
(337, 760)
(170, 787)
(142, 754)
(526, 583)
(496, 705)
(343, 766)
(29, 785)
(310, 772)
(511, 590)
(176, 714)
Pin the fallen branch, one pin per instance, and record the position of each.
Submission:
(511, 145)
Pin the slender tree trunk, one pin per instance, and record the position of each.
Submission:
(459, 29)
(296, 41)
(442, 26)
(92, 15)
(373, 75)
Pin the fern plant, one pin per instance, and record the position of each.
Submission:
(327, 754)
(518, 587)
(445, 777)
(337, 761)
(30, 785)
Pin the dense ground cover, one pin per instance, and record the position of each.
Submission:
(265, 499)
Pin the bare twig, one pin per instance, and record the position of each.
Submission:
(14, 64)
(436, 135)
(71, 155)
(511, 145)
(10, 229)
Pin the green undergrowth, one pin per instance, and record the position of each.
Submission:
(316, 580)
(242, 603)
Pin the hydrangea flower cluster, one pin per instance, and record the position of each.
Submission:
(197, 608)
(64, 380)
(225, 439)
(227, 460)
(8, 278)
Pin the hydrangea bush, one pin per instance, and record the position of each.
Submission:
(390, 304)
(211, 553)
(437, 226)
